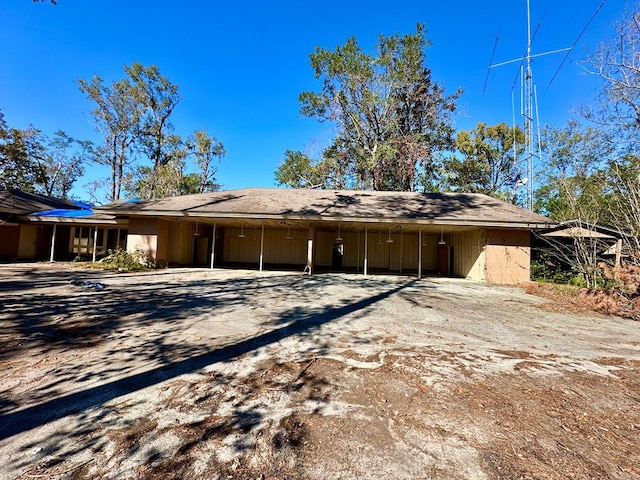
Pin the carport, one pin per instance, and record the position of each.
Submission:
(464, 235)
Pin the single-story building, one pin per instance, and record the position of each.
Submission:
(571, 238)
(37, 227)
(466, 235)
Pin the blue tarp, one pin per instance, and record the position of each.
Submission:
(64, 213)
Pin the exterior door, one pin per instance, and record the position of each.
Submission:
(28, 241)
(443, 260)
(336, 255)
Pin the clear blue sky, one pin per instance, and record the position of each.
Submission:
(240, 66)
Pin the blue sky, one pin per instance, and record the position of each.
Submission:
(240, 66)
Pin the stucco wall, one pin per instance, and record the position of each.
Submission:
(143, 235)
(508, 256)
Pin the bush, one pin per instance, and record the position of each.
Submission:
(123, 261)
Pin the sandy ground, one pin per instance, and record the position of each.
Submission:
(239, 374)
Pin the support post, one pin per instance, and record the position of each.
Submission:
(53, 242)
(419, 254)
(400, 251)
(95, 243)
(366, 249)
(618, 251)
(213, 247)
(311, 240)
(262, 247)
(358, 261)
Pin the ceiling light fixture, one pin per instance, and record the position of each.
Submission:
(389, 240)
(242, 235)
(442, 242)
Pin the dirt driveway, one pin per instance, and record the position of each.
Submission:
(239, 374)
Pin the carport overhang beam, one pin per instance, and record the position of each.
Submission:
(319, 219)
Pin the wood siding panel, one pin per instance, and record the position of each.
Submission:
(469, 254)
(162, 255)
(180, 251)
(10, 241)
(28, 241)
(430, 252)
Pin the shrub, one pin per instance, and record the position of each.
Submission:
(123, 261)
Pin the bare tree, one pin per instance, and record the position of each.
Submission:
(617, 63)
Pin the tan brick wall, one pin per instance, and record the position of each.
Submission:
(507, 256)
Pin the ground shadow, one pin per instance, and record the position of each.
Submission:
(287, 324)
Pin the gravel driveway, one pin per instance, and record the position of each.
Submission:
(196, 373)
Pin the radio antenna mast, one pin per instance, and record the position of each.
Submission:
(532, 150)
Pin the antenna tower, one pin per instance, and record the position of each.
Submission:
(527, 113)
(528, 94)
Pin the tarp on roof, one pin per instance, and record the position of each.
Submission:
(63, 213)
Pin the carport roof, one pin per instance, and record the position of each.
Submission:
(342, 205)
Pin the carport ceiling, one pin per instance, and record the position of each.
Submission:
(345, 226)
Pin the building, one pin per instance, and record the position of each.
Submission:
(36, 227)
(575, 241)
(465, 235)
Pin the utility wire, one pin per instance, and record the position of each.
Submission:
(575, 42)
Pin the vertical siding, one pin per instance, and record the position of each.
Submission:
(324, 244)
(28, 241)
(429, 252)
(469, 254)
(10, 241)
(180, 250)
(277, 249)
(351, 245)
(162, 257)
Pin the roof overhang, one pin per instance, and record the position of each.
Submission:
(363, 221)
(578, 232)
(90, 220)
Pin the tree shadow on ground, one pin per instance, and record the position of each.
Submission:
(166, 304)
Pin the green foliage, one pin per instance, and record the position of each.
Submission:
(206, 150)
(117, 116)
(60, 163)
(574, 183)
(390, 115)
(17, 166)
(32, 162)
(134, 114)
(487, 161)
(121, 260)
(158, 98)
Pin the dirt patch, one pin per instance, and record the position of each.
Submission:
(568, 298)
